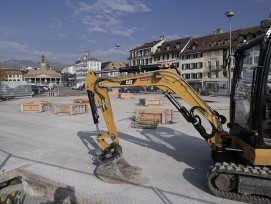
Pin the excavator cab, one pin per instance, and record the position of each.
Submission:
(250, 116)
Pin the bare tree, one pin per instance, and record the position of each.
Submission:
(2, 74)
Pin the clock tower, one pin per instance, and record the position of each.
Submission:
(43, 64)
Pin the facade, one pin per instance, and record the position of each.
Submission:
(169, 52)
(84, 64)
(14, 74)
(46, 74)
(202, 61)
(42, 76)
(142, 55)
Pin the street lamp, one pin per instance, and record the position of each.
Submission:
(84, 62)
(118, 46)
(229, 14)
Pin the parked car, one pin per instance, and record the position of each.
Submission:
(46, 88)
(35, 90)
(41, 89)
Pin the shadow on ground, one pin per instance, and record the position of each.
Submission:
(191, 150)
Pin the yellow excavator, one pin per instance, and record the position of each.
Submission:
(242, 155)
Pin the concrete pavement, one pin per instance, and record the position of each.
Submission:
(174, 157)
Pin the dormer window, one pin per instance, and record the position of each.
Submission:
(178, 45)
(167, 47)
(194, 47)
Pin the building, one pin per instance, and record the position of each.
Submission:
(110, 67)
(202, 61)
(13, 74)
(169, 52)
(84, 64)
(142, 55)
(46, 74)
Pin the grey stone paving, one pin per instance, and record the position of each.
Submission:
(174, 158)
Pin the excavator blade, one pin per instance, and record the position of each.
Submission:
(118, 170)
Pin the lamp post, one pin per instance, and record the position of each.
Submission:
(118, 46)
(84, 64)
(229, 14)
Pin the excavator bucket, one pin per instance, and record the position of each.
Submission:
(118, 170)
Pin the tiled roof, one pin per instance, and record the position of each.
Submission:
(146, 45)
(220, 41)
(112, 65)
(171, 46)
(50, 73)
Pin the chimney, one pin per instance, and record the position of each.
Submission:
(218, 31)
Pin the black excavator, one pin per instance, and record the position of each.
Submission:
(242, 155)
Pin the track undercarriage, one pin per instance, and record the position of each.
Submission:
(240, 182)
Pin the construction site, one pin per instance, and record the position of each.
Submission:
(48, 151)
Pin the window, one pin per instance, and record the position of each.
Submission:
(199, 65)
(256, 60)
(193, 75)
(167, 56)
(178, 45)
(185, 57)
(167, 47)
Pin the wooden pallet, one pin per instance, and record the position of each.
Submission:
(126, 95)
(150, 101)
(70, 109)
(154, 115)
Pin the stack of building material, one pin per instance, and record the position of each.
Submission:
(70, 109)
(83, 101)
(126, 95)
(38, 106)
(154, 116)
(150, 101)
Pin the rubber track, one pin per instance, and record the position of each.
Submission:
(238, 169)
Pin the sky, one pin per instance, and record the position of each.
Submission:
(63, 30)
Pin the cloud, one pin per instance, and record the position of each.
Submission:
(62, 35)
(57, 23)
(10, 49)
(106, 16)
(111, 54)
(8, 31)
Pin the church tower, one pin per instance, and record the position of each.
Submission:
(43, 64)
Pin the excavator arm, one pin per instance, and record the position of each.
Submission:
(172, 84)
